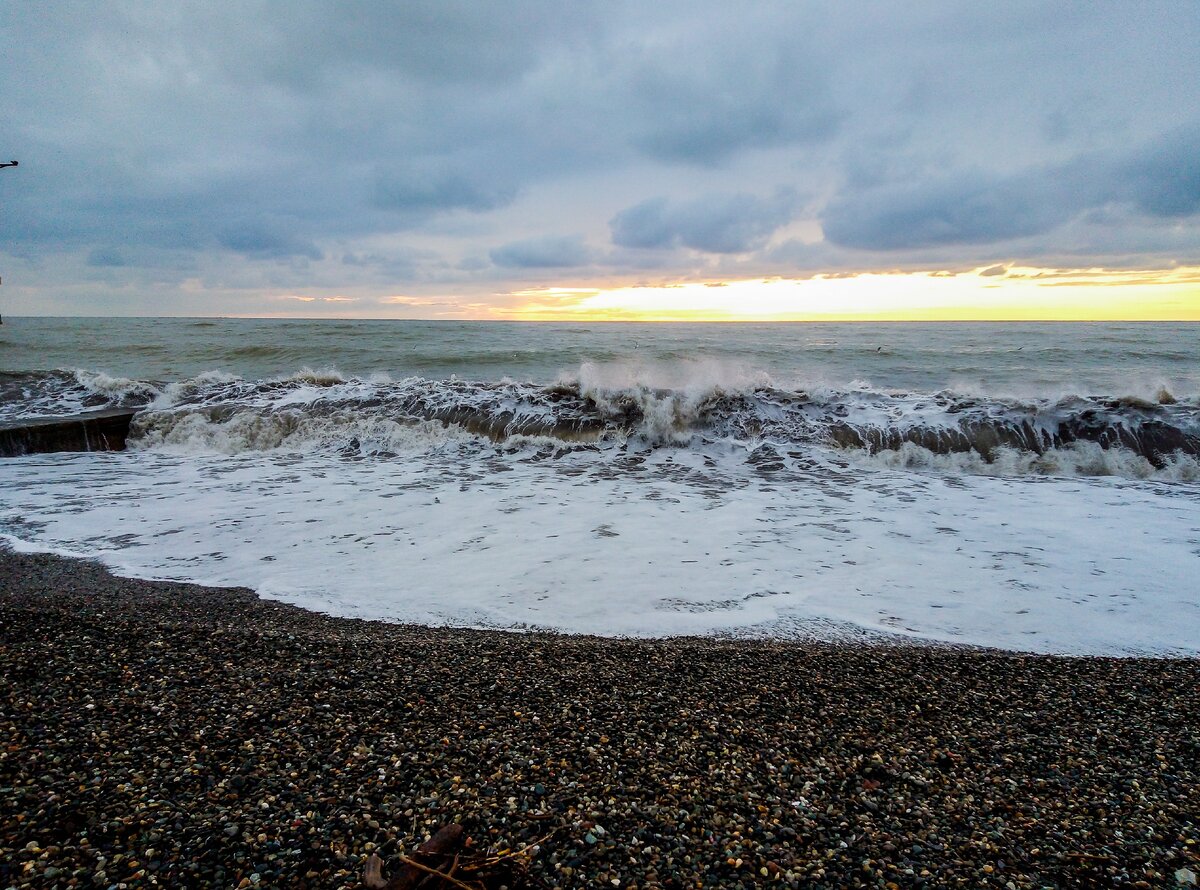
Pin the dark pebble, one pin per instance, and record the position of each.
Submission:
(158, 734)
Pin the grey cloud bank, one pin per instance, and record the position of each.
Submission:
(713, 223)
(542, 253)
(1161, 179)
(206, 158)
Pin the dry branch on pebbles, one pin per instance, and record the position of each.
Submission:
(172, 735)
(444, 863)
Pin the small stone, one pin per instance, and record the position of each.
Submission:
(342, 783)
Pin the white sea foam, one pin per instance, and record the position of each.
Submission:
(179, 390)
(693, 376)
(1075, 459)
(113, 388)
(250, 431)
(1151, 390)
(320, 377)
(680, 402)
(667, 397)
(641, 541)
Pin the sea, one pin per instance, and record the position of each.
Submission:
(1025, 486)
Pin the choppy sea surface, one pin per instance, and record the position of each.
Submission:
(1026, 486)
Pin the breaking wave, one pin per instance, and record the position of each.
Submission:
(618, 404)
(33, 394)
(1075, 459)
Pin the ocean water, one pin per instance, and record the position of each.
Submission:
(1026, 486)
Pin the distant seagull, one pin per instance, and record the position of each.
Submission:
(879, 349)
(11, 164)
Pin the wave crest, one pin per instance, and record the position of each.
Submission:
(1075, 459)
(248, 430)
(679, 404)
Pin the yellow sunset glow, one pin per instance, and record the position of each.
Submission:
(1016, 293)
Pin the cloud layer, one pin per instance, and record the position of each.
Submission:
(1160, 179)
(713, 224)
(211, 157)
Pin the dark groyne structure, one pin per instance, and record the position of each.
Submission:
(104, 430)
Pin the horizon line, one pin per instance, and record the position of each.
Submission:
(593, 320)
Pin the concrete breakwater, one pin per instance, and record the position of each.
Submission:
(104, 430)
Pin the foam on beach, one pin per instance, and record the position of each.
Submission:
(649, 542)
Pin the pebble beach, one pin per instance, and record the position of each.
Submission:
(165, 734)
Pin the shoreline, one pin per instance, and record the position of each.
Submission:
(170, 734)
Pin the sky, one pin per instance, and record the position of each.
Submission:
(610, 160)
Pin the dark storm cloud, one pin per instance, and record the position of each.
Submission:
(257, 240)
(352, 118)
(106, 257)
(434, 42)
(1163, 179)
(417, 192)
(968, 208)
(543, 253)
(321, 119)
(1159, 179)
(714, 223)
(273, 139)
(407, 259)
(702, 103)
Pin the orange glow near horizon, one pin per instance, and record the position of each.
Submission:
(1013, 294)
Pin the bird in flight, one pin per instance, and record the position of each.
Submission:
(10, 164)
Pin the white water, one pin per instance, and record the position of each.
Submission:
(707, 502)
(660, 542)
